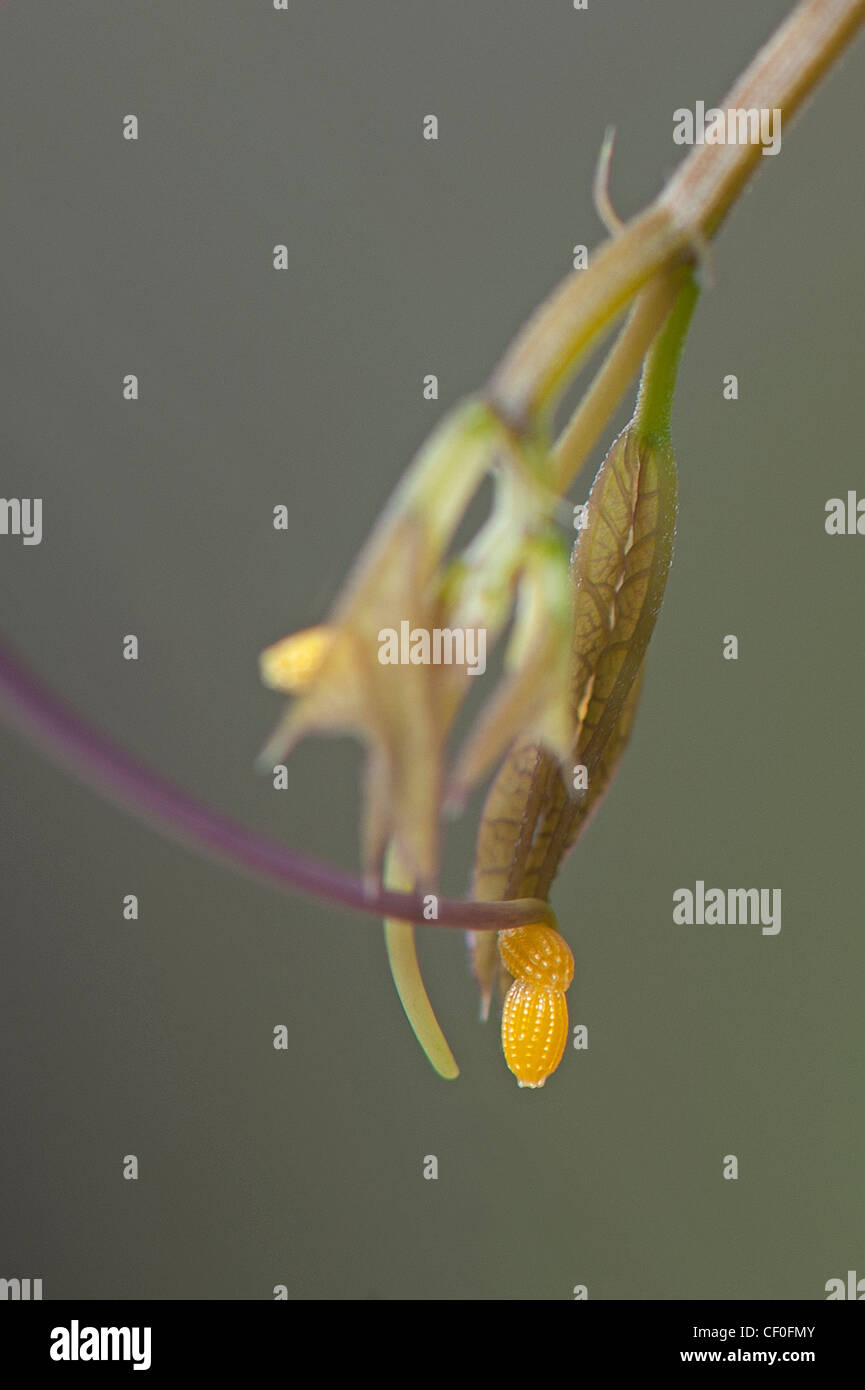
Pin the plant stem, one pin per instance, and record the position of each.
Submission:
(784, 72)
(569, 323)
(615, 376)
(676, 226)
(49, 723)
(651, 422)
(407, 977)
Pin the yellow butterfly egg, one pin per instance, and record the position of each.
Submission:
(534, 1031)
(535, 1011)
(537, 955)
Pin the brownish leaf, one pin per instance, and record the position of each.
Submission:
(532, 819)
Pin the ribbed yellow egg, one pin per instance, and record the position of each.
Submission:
(535, 1011)
(538, 954)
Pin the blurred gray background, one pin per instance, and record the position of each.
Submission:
(155, 1037)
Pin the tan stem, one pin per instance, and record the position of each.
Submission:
(674, 228)
(784, 72)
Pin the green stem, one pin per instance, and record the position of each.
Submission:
(654, 405)
(619, 368)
